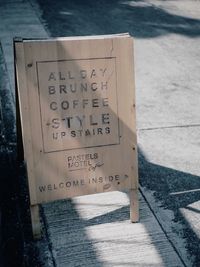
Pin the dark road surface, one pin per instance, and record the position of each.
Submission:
(141, 19)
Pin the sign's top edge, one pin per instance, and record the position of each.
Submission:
(71, 38)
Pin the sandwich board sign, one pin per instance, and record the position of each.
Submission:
(77, 113)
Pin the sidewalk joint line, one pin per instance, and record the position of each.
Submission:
(47, 235)
(162, 228)
(169, 127)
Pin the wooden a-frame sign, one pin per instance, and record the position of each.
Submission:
(77, 113)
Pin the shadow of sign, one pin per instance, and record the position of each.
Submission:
(157, 178)
(141, 18)
(174, 190)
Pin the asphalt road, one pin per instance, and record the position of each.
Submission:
(167, 66)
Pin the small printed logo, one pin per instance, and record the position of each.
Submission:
(88, 162)
(93, 167)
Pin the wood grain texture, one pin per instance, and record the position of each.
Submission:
(35, 219)
(134, 205)
(77, 104)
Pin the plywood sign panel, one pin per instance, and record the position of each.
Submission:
(77, 109)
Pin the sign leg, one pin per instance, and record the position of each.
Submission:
(134, 205)
(35, 220)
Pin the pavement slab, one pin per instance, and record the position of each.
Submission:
(167, 82)
(96, 230)
(173, 181)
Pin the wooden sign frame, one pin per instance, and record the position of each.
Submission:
(75, 102)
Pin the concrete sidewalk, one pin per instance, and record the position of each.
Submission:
(95, 230)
